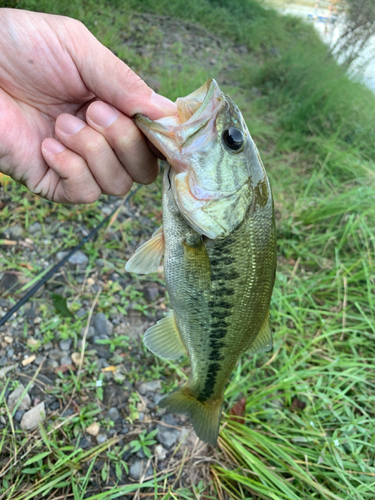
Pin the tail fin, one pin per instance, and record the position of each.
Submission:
(205, 416)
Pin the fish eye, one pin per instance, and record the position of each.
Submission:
(233, 138)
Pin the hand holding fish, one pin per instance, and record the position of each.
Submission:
(66, 104)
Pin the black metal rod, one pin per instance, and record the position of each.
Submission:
(57, 266)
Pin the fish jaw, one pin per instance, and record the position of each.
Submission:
(178, 136)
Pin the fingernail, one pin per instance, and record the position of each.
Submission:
(102, 114)
(70, 124)
(53, 146)
(162, 102)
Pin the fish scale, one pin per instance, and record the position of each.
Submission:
(219, 246)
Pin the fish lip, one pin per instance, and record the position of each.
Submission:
(180, 130)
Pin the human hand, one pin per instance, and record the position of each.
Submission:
(57, 80)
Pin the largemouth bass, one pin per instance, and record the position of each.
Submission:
(219, 246)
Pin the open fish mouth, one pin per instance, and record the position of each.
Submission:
(177, 137)
(212, 201)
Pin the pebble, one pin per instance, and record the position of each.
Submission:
(90, 332)
(76, 358)
(77, 260)
(38, 360)
(113, 414)
(101, 324)
(160, 452)
(15, 396)
(101, 438)
(167, 437)
(35, 229)
(65, 344)
(8, 340)
(93, 429)
(56, 354)
(137, 469)
(10, 353)
(66, 360)
(32, 418)
(152, 386)
(18, 415)
(16, 231)
(50, 364)
(151, 293)
(83, 443)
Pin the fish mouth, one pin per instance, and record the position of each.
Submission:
(178, 136)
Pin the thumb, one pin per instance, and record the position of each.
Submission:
(112, 81)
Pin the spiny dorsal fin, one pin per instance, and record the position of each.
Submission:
(147, 257)
(163, 339)
(263, 341)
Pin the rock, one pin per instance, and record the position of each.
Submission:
(10, 353)
(10, 282)
(101, 325)
(35, 229)
(8, 340)
(77, 261)
(50, 364)
(93, 429)
(18, 415)
(66, 360)
(84, 443)
(152, 386)
(15, 396)
(32, 418)
(151, 293)
(101, 438)
(56, 354)
(101, 351)
(113, 414)
(90, 332)
(38, 360)
(65, 344)
(167, 436)
(16, 231)
(137, 469)
(160, 452)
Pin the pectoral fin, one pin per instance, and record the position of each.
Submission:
(163, 339)
(147, 257)
(263, 341)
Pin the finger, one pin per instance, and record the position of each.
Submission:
(95, 150)
(126, 139)
(69, 179)
(125, 90)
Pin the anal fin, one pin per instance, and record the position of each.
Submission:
(147, 257)
(163, 339)
(263, 341)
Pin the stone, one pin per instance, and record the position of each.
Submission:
(77, 260)
(160, 452)
(10, 282)
(137, 469)
(65, 344)
(56, 354)
(15, 396)
(113, 414)
(16, 231)
(84, 443)
(167, 436)
(90, 332)
(101, 324)
(35, 229)
(50, 364)
(101, 351)
(101, 438)
(66, 360)
(18, 415)
(38, 360)
(32, 418)
(93, 429)
(152, 386)
(151, 293)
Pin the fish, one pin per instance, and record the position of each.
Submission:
(218, 241)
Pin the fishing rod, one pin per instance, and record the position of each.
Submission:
(57, 266)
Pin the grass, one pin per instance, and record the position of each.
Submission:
(308, 428)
